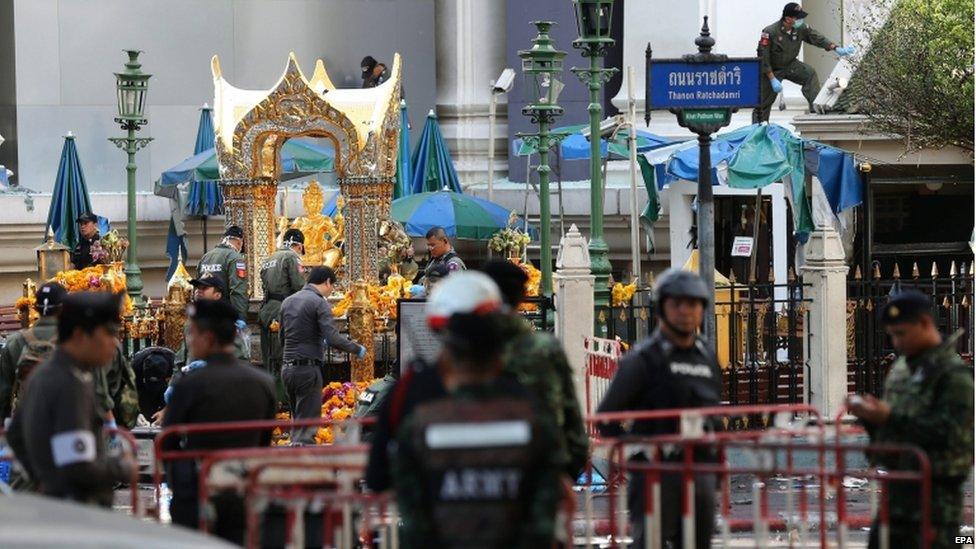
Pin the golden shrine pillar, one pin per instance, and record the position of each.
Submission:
(364, 128)
(249, 204)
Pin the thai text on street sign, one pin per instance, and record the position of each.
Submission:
(678, 84)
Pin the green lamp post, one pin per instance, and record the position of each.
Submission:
(593, 25)
(541, 65)
(131, 85)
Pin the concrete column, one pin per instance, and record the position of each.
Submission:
(470, 46)
(826, 273)
(574, 302)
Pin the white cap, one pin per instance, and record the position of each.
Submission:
(463, 292)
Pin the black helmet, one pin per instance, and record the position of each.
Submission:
(680, 283)
(293, 236)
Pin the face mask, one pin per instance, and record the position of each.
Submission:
(798, 24)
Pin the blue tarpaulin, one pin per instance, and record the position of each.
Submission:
(840, 178)
(757, 155)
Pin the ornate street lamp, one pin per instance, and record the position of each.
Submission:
(131, 85)
(593, 19)
(541, 65)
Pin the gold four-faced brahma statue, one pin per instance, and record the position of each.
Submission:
(323, 234)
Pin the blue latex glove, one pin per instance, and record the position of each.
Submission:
(195, 365)
(241, 325)
(844, 52)
(113, 442)
(776, 84)
(362, 352)
(417, 291)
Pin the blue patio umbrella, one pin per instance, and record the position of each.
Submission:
(69, 198)
(433, 168)
(403, 173)
(461, 215)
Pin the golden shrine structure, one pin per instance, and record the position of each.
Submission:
(364, 127)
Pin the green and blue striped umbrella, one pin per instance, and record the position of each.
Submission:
(433, 168)
(205, 197)
(461, 216)
(403, 173)
(69, 198)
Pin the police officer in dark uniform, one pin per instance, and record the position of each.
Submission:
(476, 468)
(224, 389)
(307, 326)
(441, 253)
(281, 276)
(227, 261)
(674, 368)
(57, 430)
(779, 47)
(81, 256)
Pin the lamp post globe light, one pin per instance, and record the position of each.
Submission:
(131, 86)
(593, 18)
(541, 65)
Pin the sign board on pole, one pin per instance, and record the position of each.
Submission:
(679, 84)
(414, 338)
(742, 246)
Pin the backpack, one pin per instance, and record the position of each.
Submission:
(153, 368)
(36, 351)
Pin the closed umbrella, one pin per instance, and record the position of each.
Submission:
(433, 168)
(205, 196)
(403, 172)
(70, 196)
(461, 216)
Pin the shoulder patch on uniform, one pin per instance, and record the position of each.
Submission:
(764, 39)
(452, 266)
(73, 447)
(241, 269)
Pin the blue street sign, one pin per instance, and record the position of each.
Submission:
(676, 84)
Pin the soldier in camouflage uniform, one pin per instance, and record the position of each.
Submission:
(115, 391)
(281, 276)
(27, 348)
(928, 403)
(538, 361)
(475, 468)
(779, 47)
(227, 261)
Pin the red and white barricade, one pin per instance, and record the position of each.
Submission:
(797, 461)
(602, 356)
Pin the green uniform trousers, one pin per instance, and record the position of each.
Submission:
(797, 72)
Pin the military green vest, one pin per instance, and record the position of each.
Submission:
(931, 399)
